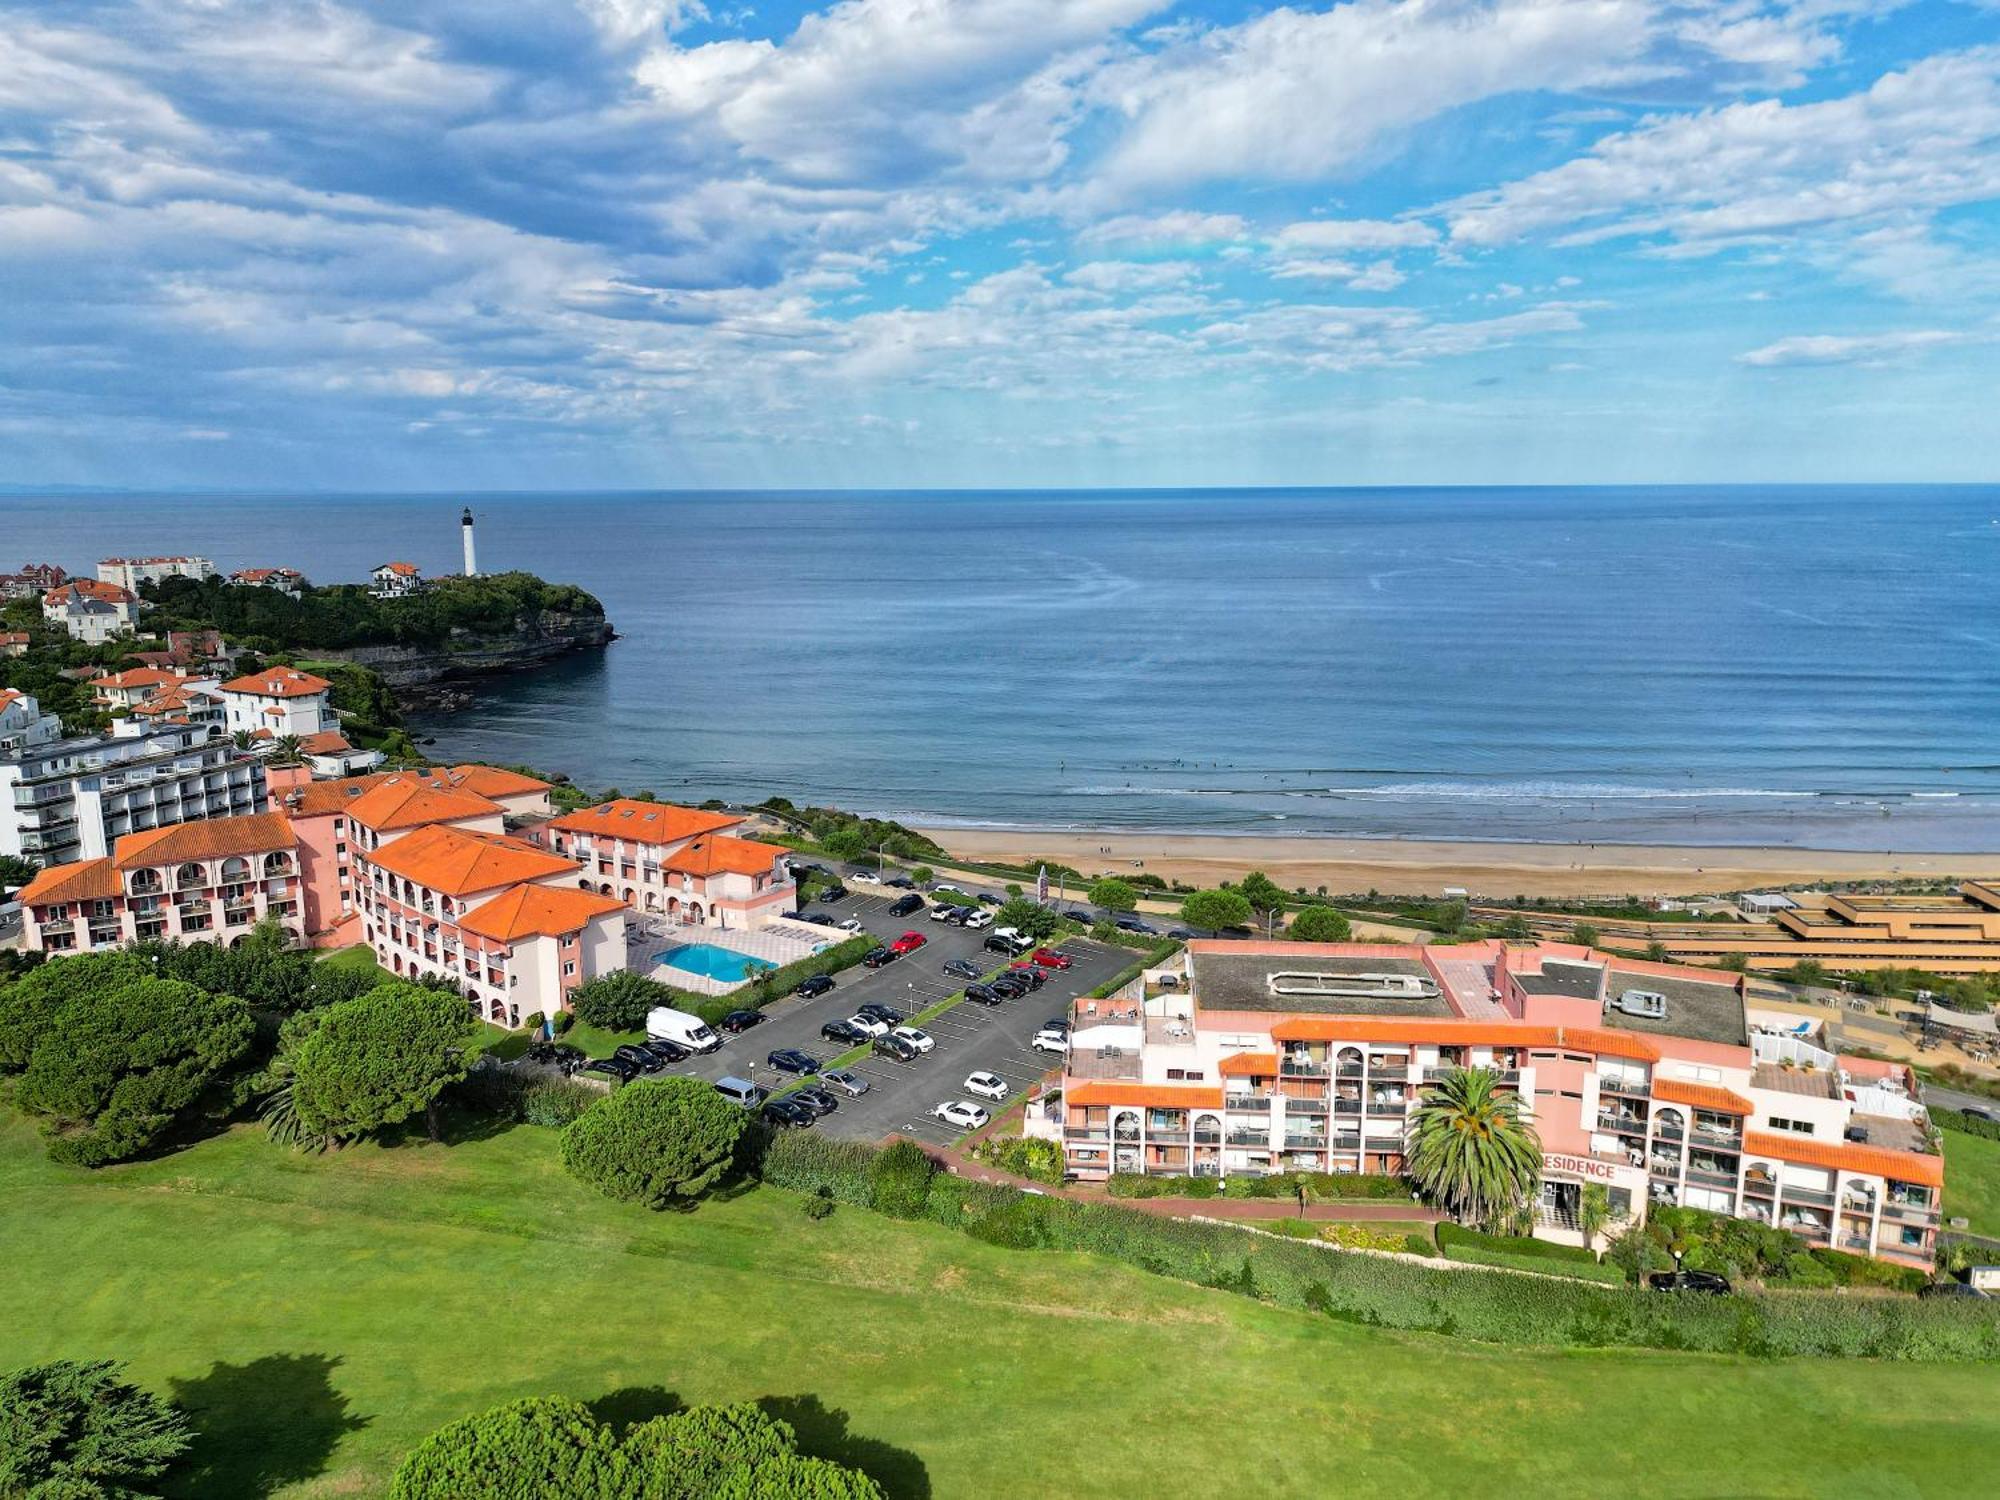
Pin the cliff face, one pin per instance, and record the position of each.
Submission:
(534, 640)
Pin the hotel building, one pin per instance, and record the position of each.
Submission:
(679, 862)
(128, 573)
(1952, 935)
(1657, 1082)
(198, 882)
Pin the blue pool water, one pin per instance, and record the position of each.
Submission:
(725, 965)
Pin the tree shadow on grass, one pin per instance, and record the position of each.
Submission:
(823, 1432)
(627, 1408)
(261, 1426)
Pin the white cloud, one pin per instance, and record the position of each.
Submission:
(1839, 349)
(1129, 276)
(1178, 227)
(1355, 234)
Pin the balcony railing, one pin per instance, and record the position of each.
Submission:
(1259, 1102)
(1290, 1069)
(1708, 1177)
(1260, 1138)
(1622, 1124)
(1808, 1195)
(1305, 1106)
(1669, 1133)
(1347, 1070)
(1913, 1211)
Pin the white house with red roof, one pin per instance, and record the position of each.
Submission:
(288, 581)
(680, 862)
(395, 579)
(91, 611)
(279, 701)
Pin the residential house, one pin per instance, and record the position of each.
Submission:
(90, 611)
(680, 862)
(33, 579)
(13, 643)
(279, 701)
(287, 581)
(126, 690)
(395, 579)
(129, 573)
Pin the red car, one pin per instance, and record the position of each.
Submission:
(909, 942)
(1048, 958)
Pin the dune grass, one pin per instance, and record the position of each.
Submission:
(320, 1314)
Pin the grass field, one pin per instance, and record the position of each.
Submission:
(320, 1314)
(1972, 1180)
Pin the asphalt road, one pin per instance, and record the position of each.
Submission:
(969, 1038)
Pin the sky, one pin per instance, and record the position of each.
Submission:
(569, 244)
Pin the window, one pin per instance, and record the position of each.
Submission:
(1912, 1237)
(1620, 1200)
(570, 968)
(1796, 1127)
(1184, 1075)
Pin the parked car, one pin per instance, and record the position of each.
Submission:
(611, 1067)
(906, 905)
(877, 956)
(812, 985)
(739, 1021)
(998, 944)
(865, 877)
(1953, 1288)
(666, 1052)
(876, 1011)
(1049, 958)
(849, 1083)
(1707, 1282)
(844, 1032)
(945, 913)
(1011, 986)
(867, 1025)
(987, 898)
(741, 1092)
(640, 1059)
(1977, 1112)
(1034, 976)
(788, 1112)
(901, 882)
(1057, 1023)
(1183, 933)
(962, 968)
(1133, 924)
(817, 918)
(833, 893)
(849, 924)
(983, 994)
(792, 1060)
(1047, 1040)
(962, 1114)
(896, 1047)
(979, 919)
(1078, 914)
(921, 1040)
(909, 942)
(818, 1100)
(986, 1085)
(559, 1055)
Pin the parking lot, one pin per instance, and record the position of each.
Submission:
(969, 1038)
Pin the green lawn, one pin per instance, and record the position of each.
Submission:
(319, 1314)
(1972, 1180)
(356, 956)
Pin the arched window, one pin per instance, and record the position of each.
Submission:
(277, 864)
(190, 876)
(235, 868)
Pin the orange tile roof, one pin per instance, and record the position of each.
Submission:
(1608, 1043)
(278, 682)
(460, 862)
(214, 838)
(136, 677)
(89, 588)
(722, 855)
(537, 911)
(86, 880)
(1872, 1161)
(492, 781)
(645, 822)
(411, 802)
(1160, 1095)
(401, 569)
(9, 696)
(1249, 1064)
(326, 742)
(1702, 1096)
(168, 700)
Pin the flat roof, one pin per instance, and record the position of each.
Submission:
(1242, 981)
(1696, 1009)
(1561, 977)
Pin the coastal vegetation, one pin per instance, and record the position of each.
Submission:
(1471, 1148)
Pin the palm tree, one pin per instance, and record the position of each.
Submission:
(1593, 1212)
(1471, 1148)
(290, 751)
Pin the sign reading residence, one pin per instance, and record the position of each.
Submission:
(1578, 1166)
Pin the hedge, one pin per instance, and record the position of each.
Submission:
(776, 983)
(1541, 1265)
(1371, 1290)
(1965, 1124)
(1456, 1236)
(1156, 955)
(1367, 1187)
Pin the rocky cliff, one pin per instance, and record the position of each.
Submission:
(415, 671)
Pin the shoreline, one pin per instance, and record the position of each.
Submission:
(1427, 866)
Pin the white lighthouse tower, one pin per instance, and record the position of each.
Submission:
(465, 531)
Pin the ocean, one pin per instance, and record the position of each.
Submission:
(1742, 665)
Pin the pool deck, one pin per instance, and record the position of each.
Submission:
(773, 947)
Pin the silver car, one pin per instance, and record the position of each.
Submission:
(851, 1084)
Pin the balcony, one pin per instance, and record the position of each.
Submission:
(1305, 1143)
(1208, 1138)
(1258, 1102)
(1631, 1088)
(1670, 1133)
(1261, 1139)
(1087, 1137)
(1622, 1124)
(1305, 1106)
(1910, 1211)
(1348, 1070)
(1290, 1069)
(1347, 1106)
(1808, 1195)
(1856, 1243)
(1708, 1177)
(1668, 1167)
(1397, 1107)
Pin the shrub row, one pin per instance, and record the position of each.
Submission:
(1368, 1187)
(1389, 1293)
(1542, 1265)
(1455, 1236)
(1965, 1124)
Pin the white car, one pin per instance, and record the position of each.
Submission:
(979, 919)
(986, 1085)
(1050, 1040)
(1011, 934)
(869, 1024)
(958, 1112)
(852, 924)
(923, 1041)
(865, 877)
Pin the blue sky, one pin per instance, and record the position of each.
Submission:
(659, 243)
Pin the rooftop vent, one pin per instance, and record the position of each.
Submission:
(1646, 1005)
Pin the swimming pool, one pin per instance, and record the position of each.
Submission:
(724, 965)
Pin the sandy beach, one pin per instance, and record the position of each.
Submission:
(1495, 870)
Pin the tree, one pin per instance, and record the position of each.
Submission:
(116, 1068)
(701, 1446)
(845, 843)
(377, 1060)
(31, 1003)
(1515, 929)
(656, 1141)
(1656, 951)
(1470, 1146)
(1213, 910)
(1584, 933)
(1321, 924)
(1807, 971)
(620, 1001)
(543, 1445)
(1593, 1212)
(288, 751)
(900, 1180)
(14, 872)
(923, 874)
(1113, 894)
(71, 1431)
(1028, 917)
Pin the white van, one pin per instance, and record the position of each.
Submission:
(664, 1023)
(740, 1092)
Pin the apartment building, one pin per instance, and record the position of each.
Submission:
(279, 701)
(195, 882)
(1659, 1083)
(128, 573)
(679, 862)
(503, 918)
(1954, 935)
(90, 611)
(68, 798)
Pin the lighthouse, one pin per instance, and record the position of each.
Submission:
(465, 531)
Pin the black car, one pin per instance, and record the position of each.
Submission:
(739, 1021)
(1057, 1023)
(611, 1067)
(1707, 1282)
(1036, 977)
(901, 883)
(791, 1060)
(887, 1015)
(896, 1047)
(1009, 988)
(983, 994)
(559, 1055)
(903, 906)
(787, 1113)
(844, 1032)
(640, 1059)
(1133, 924)
(1953, 1288)
(877, 956)
(998, 944)
(834, 893)
(664, 1052)
(963, 968)
(818, 1100)
(1182, 933)
(813, 984)
(1076, 914)
(987, 898)
(817, 918)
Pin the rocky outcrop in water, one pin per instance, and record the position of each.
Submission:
(416, 671)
